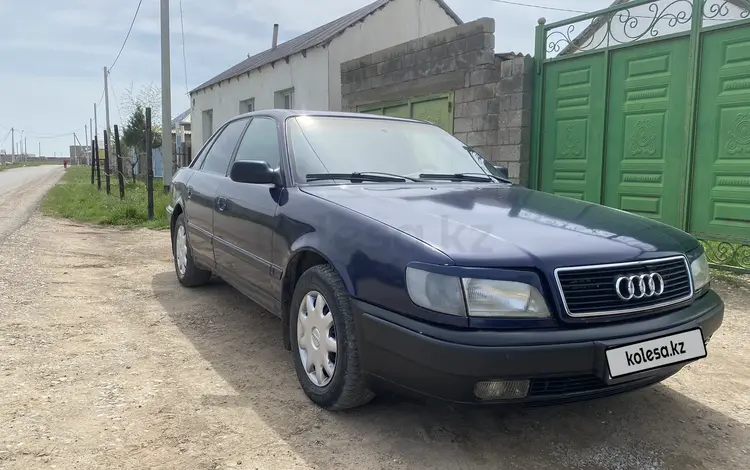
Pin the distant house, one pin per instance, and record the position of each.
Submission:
(304, 72)
(182, 137)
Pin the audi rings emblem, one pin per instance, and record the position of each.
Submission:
(639, 286)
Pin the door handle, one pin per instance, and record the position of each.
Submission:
(221, 203)
(189, 191)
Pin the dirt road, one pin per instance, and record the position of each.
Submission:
(107, 363)
(20, 191)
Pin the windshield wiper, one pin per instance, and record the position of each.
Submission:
(374, 176)
(499, 179)
(471, 177)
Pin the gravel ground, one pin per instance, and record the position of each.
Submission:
(107, 363)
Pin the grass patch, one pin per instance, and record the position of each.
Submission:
(9, 166)
(74, 197)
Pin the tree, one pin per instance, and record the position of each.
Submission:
(149, 96)
(134, 135)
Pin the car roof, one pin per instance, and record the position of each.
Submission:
(282, 114)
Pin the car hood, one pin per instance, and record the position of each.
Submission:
(503, 225)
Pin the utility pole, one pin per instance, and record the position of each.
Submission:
(166, 98)
(95, 135)
(25, 150)
(106, 110)
(75, 150)
(40, 151)
(12, 145)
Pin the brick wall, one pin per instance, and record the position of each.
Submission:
(492, 92)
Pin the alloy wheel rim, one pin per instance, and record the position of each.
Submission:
(316, 338)
(181, 250)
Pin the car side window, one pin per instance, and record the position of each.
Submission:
(198, 160)
(261, 142)
(220, 153)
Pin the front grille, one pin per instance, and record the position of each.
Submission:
(565, 385)
(590, 290)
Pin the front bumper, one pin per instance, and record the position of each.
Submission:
(562, 364)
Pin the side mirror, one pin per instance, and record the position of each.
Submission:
(254, 172)
(502, 170)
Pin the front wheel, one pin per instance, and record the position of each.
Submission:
(324, 343)
(188, 273)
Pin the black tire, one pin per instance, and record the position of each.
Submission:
(347, 387)
(193, 275)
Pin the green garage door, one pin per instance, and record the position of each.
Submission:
(721, 188)
(437, 109)
(651, 118)
(574, 128)
(646, 130)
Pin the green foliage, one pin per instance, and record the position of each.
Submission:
(74, 197)
(134, 132)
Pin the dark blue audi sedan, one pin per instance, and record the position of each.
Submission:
(396, 256)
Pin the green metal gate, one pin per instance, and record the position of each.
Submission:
(437, 109)
(648, 110)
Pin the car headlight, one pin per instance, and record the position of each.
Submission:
(700, 272)
(436, 292)
(478, 297)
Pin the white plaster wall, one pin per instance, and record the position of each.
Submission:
(317, 78)
(400, 21)
(308, 76)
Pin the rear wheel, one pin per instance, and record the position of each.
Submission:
(324, 343)
(188, 273)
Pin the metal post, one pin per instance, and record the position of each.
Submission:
(120, 179)
(166, 99)
(98, 166)
(12, 145)
(93, 164)
(536, 110)
(694, 57)
(149, 166)
(96, 131)
(85, 135)
(106, 159)
(106, 117)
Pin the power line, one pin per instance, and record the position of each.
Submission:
(55, 136)
(540, 7)
(117, 105)
(184, 59)
(127, 35)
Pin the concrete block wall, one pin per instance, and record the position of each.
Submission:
(492, 92)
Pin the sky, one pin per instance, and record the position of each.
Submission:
(52, 52)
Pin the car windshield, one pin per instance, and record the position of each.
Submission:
(344, 145)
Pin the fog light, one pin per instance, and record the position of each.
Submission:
(501, 389)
